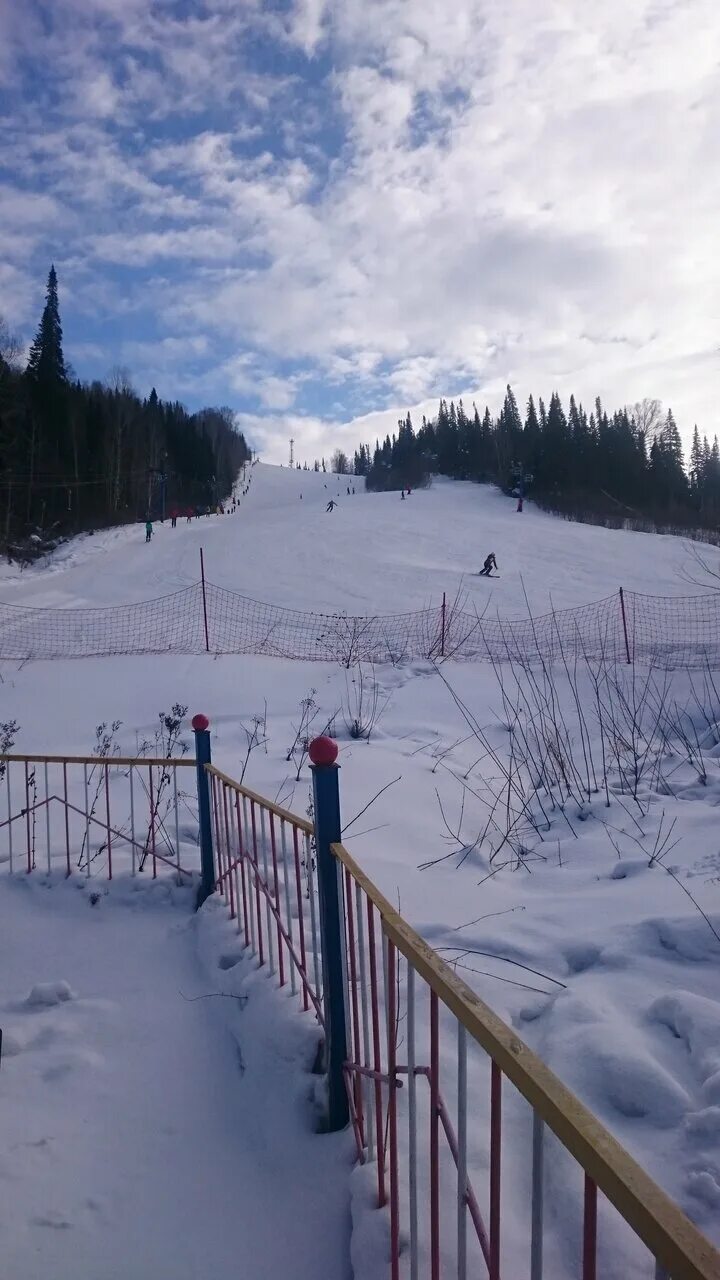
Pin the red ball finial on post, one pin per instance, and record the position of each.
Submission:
(200, 722)
(323, 750)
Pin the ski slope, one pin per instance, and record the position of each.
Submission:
(372, 554)
(629, 1013)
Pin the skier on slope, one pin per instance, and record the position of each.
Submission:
(489, 565)
(331, 504)
(148, 530)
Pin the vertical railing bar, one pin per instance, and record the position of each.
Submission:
(313, 920)
(133, 854)
(434, 1139)
(288, 912)
(107, 817)
(47, 817)
(10, 817)
(27, 817)
(243, 880)
(67, 818)
(538, 1185)
(354, 1040)
(228, 851)
(237, 858)
(258, 907)
(87, 824)
(344, 953)
(301, 917)
(152, 824)
(392, 1012)
(250, 874)
(266, 882)
(462, 1154)
(177, 825)
(412, 1123)
(367, 1084)
(380, 1155)
(589, 1265)
(218, 842)
(495, 1165)
(276, 892)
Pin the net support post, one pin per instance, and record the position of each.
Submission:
(328, 831)
(201, 729)
(625, 630)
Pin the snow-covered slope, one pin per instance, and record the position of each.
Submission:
(635, 1026)
(372, 554)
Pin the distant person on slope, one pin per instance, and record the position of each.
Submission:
(148, 530)
(489, 565)
(331, 504)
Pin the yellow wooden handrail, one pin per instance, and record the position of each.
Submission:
(179, 762)
(671, 1237)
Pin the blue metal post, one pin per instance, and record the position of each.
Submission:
(200, 726)
(328, 831)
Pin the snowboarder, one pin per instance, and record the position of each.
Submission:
(148, 530)
(331, 504)
(489, 565)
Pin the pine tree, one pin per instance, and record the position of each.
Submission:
(46, 363)
(696, 468)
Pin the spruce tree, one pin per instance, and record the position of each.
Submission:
(696, 468)
(46, 363)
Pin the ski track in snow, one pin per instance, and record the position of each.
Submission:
(635, 1031)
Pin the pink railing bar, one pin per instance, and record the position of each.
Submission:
(392, 1115)
(27, 811)
(589, 1256)
(254, 863)
(357, 1083)
(219, 860)
(288, 907)
(377, 1062)
(301, 922)
(266, 880)
(152, 826)
(434, 1139)
(241, 856)
(495, 1148)
(276, 886)
(228, 847)
(107, 815)
(67, 819)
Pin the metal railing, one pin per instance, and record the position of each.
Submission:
(458, 1199)
(432, 1081)
(97, 815)
(265, 869)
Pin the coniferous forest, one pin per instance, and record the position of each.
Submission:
(620, 468)
(74, 456)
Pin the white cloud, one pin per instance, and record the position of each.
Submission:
(477, 193)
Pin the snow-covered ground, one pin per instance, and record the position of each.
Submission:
(372, 554)
(634, 1028)
(149, 1123)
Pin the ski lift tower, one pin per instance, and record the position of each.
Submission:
(292, 457)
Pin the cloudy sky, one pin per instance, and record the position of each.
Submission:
(319, 211)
